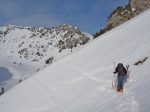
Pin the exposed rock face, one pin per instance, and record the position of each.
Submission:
(139, 5)
(123, 14)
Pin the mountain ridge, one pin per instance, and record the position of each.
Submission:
(123, 14)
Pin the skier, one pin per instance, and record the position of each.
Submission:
(122, 73)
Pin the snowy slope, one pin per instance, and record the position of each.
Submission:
(26, 50)
(82, 81)
(38, 44)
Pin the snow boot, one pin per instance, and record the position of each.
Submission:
(120, 90)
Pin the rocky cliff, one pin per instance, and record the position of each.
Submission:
(122, 14)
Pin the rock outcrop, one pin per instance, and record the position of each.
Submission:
(122, 14)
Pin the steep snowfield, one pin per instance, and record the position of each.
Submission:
(82, 81)
(36, 45)
(26, 50)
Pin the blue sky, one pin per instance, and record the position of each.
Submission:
(89, 15)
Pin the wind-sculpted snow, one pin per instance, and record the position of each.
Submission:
(82, 81)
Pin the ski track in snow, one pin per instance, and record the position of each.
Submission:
(85, 74)
(128, 103)
(127, 98)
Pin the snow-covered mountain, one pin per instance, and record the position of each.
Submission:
(39, 44)
(26, 50)
(82, 81)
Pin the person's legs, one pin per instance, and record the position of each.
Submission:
(122, 78)
(120, 83)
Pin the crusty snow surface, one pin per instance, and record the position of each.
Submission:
(82, 81)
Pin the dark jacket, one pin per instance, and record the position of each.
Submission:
(121, 70)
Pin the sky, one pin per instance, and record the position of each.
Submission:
(89, 15)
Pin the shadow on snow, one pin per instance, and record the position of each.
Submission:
(5, 75)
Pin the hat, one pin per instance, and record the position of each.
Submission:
(120, 64)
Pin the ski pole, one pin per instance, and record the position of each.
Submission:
(114, 78)
(127, 67)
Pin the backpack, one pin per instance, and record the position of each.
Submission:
(121, 71)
